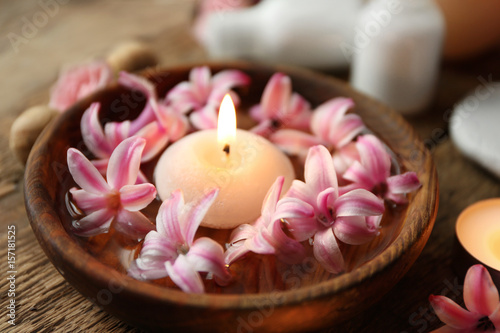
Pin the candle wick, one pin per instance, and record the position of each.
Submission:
(226, 149)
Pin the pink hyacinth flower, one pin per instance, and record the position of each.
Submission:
(347, 218)
(330, 125)
(266, 235)
(344, 157)
(172, 251)
(481, 299)
(102, 141)
(77, 82)
(170, 121)
(373, 172)
(117, 198)
(203, 93)
(280, 108)
(333, 125)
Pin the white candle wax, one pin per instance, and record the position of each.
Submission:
(197, 163)
(478, 230)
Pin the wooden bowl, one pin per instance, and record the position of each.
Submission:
(314, 302)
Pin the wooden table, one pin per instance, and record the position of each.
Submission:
(79, 30)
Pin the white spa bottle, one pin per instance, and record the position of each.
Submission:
(397, 52)
(298, 32)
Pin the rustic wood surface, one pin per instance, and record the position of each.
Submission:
(80, 30)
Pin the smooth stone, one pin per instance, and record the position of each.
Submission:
(475, 126)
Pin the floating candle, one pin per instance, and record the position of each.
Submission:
(478, 231)
(241, 164)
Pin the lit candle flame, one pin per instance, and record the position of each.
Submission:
(226, 124)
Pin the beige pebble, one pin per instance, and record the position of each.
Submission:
(131, 56)
(26, 128)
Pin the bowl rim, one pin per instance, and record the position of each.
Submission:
(42, 215)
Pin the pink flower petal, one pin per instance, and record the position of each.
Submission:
(200, 79)
(294, 142)
(182, 98)
(174, 123)
(93, 134)
(95, 223)
(495, 317)
(302, 228)
(135, 82)
(227, 79)
(348, 128)
(452, 314)
(156, 248)
(271, 199)
(256, 113)
(168, 218)
(196, 214)
(116, 132)
(85, 174)
(327, 116)
(235, 252)
(77, 82)
(299, 113)
(88, 202)
(137, 197)
(101, 165)
(327, 252)
(205, 118)
(264, 128)
(156, 140)
(142, 179)
(260, 243)
(182, 89)
(155, 270)
(206, 255)
(290, 207)
(276, 96)
(319, 172)
(359, 202)
(324, 204)
(374, 157)
(237, 247)
(404, 183)
(344, 157)
(480, 294)
(242, 232)
(217, 95)
(358, 174)
(301, 191)
(146, 116)
(354, 230)
(287, 249)
(134, 224)
(185, 276)
(125, 162)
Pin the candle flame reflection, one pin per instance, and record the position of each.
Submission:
(226, 124)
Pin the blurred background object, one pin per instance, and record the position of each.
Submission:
(299, 32)
(304, 26)
(472, 27)
(397, 52)
(474, 126)
(393, 47)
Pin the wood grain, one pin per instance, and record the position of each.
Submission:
(48, 303)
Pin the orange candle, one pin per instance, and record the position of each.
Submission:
(478, 232)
